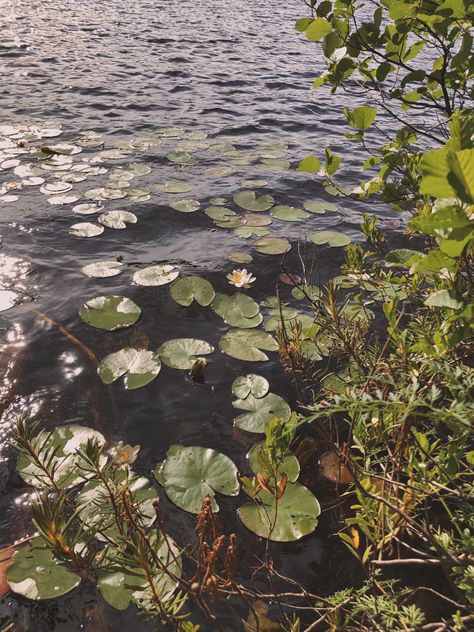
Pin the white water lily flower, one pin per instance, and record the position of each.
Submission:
(241, 278)
(125, 454)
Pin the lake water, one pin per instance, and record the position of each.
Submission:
(237, 72)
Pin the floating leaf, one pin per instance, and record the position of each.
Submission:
(185, 206)
(67, 198)
(249, 201)
(36, 574)
(245, 344)
(173, 186)
(117, 219)
(86, 209)
(102, 269)
(260, 411)
(257, 219)
(319, 206)
(181, 353)
(240, 257)
(238, 310)
(185, 291)
(250, 384)
(217, 201)
(156, 275)
(312, 292)
(254, 183)
(220, 213)
(86, 229)
(330, 237)
(273, 164)
(60, 447)
(8, 299)
(290, 518)
(288, 213)
(110, 312)
(274, 150)
(139, 367)
(182, 158)
(289, 466)
(190, 474)
(272, 245)
(248, 231)
(55, 188)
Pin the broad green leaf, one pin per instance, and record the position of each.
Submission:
(461, 177)
(401, 257)
(289, 466)
(182, 158)
(173, 186)
(318, 29)
(435, 170)
(288, 213)
(319, 206)
(185, 206)
(156, 275)
(139, 367)
(250, 384)
(330, 237)
(310, 164)
(249, 201)
(260, 411)
(238, 310)
(110, 312)
(443, 298)
(248, 344)
(190, 474)
(188, 289)
(362, 117)
(181, 353)
(272, 245)
(239, 256)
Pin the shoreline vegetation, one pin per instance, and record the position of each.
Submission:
(382, 363)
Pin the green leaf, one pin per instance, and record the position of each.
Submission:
(140, 367)
(237, 310)
(181, 353)
(318, 29)
(290, 518)
(191, 474)
(86, 229)
(102, 269)
(310, 164)
(59, 449)
(173, 186)
(247, 344)
(401, 257)
(239, 256)
(156, 275)
(289, 466)
(435, 170)
(288, 213)
(361, 118)
(302, 24)
(249, 201)
(110, 312)
(319, 206)
(260, 411)
(330, 237)
(185, 291)
(461, 177)
(250, 384)
(185, 206)
(36, 574)
(117, 219)
(443, 298)
(272, 245)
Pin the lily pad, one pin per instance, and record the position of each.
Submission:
(288, 213)
(190, 474)
(220, 213)
(273, 164)
(330, 237)
(188, 289)
(247, 345)
(257, 219)
(185, 206)
(36, 574)
(182, 158)
(61, 446)
(289, 466)
(254, 183)
(249, 231)
(249, 201)
(181, 353)
(260, 411)
(272, 245)
(86, 229)
(173, 186)
(110, 312)
(240, 257)
(66, 198)
(139, 367)
(217, 201)
(290, 518)
(117, 219)
(102, 269)
(8, 299)
(319, 206)
(238, 310)
(250, 384)
(156, 275)
(87, 208)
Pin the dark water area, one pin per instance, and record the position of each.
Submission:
(237, 72)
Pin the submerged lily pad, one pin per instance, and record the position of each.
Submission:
(185, 206)
(272, 245)
(237, 310)
(117, 219)
(61, 446)
(36, 574)
(290, 518)
(289, 466)
(173, 186)
(102, 269)
(181, 353)
(288, 213)
(110, 312)
(86, 229)
(139, 367)
(188, 475)
(186, 290)
(250, 384)
(260, 411)
(330, 237)
(156, 275)
(249, 201)
(247, 344)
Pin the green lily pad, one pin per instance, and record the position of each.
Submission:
(249, 201)
(139, 367)
(240, 257)
(182, 158)
(275, 315)
(257, 219)
(249, 231)
(61, 447)
(231, 222)
(217, 201)
(272, 245)
(185, 206)
(181, 353)
(330, 237)
(102, 269)
(247, 344)
(117, 219)
(250, 384)
(289, 466)
(260, 411)
(290, 518)
(86, 229)
(288, 213)
(153, 276)
(173, 186)
(311, 291)
(188, 289)
(220, 213)
(273, 164)
(110, 312)
(238, 310)
(250, 184)
(36, 574)
(319, 206)
(191, 474)
(273, 151)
